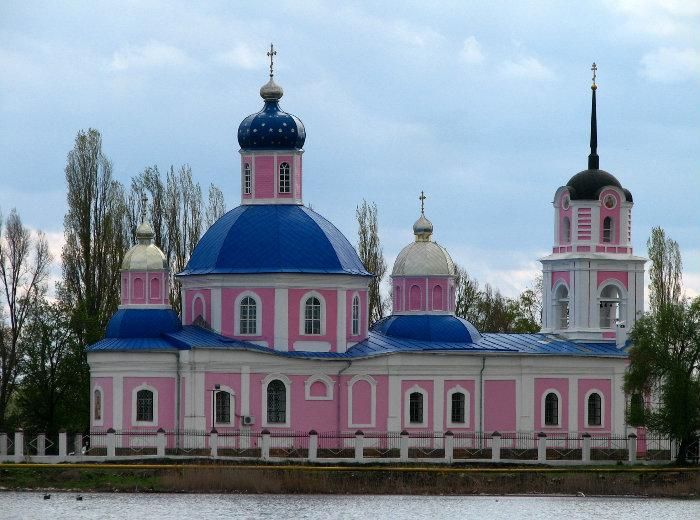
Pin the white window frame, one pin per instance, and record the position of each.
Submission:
(407, 407)
(247, 179)
(288, 400)
(543, 408)
(232, 406)
(467, 407)
(373, 402)
(96, 422)
(237, 312)
(355, 297)
(198, 296)
(622, 302)
(557, 304)
(602, 408)
(319, 378)
(134, 393)
(288, 178)
(302, 314)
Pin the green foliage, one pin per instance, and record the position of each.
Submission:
(372, 257)
(666, 270)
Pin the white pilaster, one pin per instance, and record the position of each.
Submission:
(617, 407)
(281, 319)
(394, 416)
(216, 309)
(439, 404)
(341, 336)
(245, 390)
(527, 402)
(117, 402)
(573, 404)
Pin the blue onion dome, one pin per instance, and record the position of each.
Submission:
(428, 327)
(143, 323)
(272, 128)
(587, 185)
(145, 255)
(423, 257)
(274, 238)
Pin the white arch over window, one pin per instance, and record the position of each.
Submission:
(134, 405)
(355, 320)
(586, 419)
(560, 303)
(319, 378)
(467, 410)
(198, 297)
(237, 314)
(303, 316)
(288, 399)
(612, 299)
(373, 401)
(407, 407)
(231, 407)
(97, 405)
(544, 408)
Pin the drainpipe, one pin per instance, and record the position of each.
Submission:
(339, 393)
(177, 400)
(481, 398)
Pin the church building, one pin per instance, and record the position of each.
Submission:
(274, 330)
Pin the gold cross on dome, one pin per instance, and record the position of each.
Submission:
(272, 55)
(594, 68)
(422, 201)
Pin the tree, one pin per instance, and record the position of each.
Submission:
(666, 270)
(216, 207)
(468, 296)
(372, 258)
(24, 264)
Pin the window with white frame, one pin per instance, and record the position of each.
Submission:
(285, 178)
(248, 316)
(610, 306)
(97, 405)
(222, 407)
(458, 408)
(144, 406)
(247, 179)
(312, 316)
(608, 230)
(551, 409)
(276, 402)
(415, 408)
(561, 307)
(595, 409)
(356, 315)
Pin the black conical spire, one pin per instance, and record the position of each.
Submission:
(593, 160)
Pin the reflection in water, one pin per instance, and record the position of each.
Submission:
(31, 505)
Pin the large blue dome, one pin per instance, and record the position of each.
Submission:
(277, 238)
(142, 323)
(428, 327)
(271, 129)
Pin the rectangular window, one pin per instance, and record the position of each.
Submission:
(285, 184)
(458, 408)
(223, 407)
(144, 405)
(415, 410)
(312, 316)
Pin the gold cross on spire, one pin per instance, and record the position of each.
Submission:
(422, 201)
(272, 55)
(594, 68)
(144, 201)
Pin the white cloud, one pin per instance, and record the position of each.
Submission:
(658, 18)
(241, 56)
(527, 67)
(670, 65)
(471, 51)
(152, 54)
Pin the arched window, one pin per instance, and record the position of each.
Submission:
(97, 413)
(595, 410)
(222, 408)
(459, 407)
(144, 405)
(138, 288)
(276, 402)
(437, 298)
(356, 315)
(551, 410)
(247, 179)
(561, 307)
(415, 408)
(312, 316)
(198, 310)
(285, 178)
(610, 306)
(248, 316)
(566, 230)
(415, 298)
(155, 288)
(608, 230)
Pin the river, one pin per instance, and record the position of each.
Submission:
(31, 505)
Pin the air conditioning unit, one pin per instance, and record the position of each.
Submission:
(247, 420)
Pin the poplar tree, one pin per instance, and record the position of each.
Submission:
(372, 257)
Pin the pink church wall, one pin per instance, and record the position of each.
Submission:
(192, 307)
(247, 159)
(264, 177)
(603, 386)
(297, 185)
(415, 299)
(614, 213)
(621, 277)
(125, 289)
(499, 405)
(363, 314)
(296, 324)
(565, 213)
(229, 313)
(563, 276)
(426, 385)
(138, 287)
(398, 297)
(232, 381)
(105, 383)
(468, 385)
(165, 386)
(583, 224)
(361, 402)
(289, 160)
(318, 389)
(543, 386)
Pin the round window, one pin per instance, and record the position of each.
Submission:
(565, 202)
(609, 201)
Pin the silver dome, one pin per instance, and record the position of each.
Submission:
(423, 258)
(145, 255)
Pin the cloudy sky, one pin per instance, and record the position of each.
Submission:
(484, 105)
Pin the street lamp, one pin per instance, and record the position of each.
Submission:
(216, 388)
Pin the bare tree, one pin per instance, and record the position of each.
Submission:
(467, 297)
(216, 207)
(24, 264)
(666, 270)
(372, 258)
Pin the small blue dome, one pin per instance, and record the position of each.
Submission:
(428, 327)
(271, 129)
(142, 323)
(275, 238)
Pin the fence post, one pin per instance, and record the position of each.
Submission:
(160, 442)
(496, 447)
(62, 444)
(359, 445)
(449, 446)
(313, 445)
(541, 447)
(586, 448)
(632, 448)
(214, 442)
(111, 444)
(674, 449)
(41, 444)
(3, 445)
(265, 444)
(78, 444)
(404, 446)
(19, 445)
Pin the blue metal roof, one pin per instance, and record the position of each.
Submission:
(271, 129)
(276, 238)
(428, 327)
(142, 323)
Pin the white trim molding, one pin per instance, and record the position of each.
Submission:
(288, 400)
(543, 408)
(373, 401)
(602, 408)
(302, 313)
(134, 393)
(467, 407)
(232, 407)
(407, 407)
(319, 378)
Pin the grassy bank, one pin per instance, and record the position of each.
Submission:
(230, 478)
